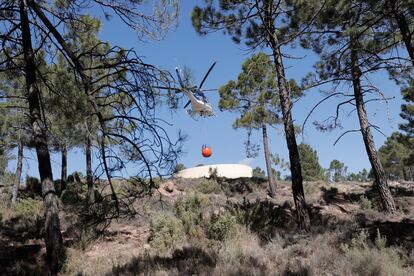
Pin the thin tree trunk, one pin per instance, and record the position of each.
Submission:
(53, 236)
(270, 176)
(64, 168)
(286, 105)
(405, 32)
(18, 172)
(405, 174)
(89, 180)
(377, 169)
(295, 167)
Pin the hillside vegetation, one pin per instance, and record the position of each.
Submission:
(220, 227)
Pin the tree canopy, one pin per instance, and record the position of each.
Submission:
(337, 171)
(395, 157)
(311, 169)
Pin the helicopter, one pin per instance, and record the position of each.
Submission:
(200, 106)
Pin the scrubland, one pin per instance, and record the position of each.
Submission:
(220, 227)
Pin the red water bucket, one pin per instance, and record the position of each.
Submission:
(206, 151)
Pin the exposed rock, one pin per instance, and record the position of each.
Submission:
(168, 186)
(168, 189)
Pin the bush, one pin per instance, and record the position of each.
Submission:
(209, 186)
(28, 208)
(365, 203)
(380, 241)
(24, 217)
(179, 167)
(75, 177)
(165, 232)
(58, 186)
(222, 227)
(34, 187)
(5, 196)
(362, 259)
(69, 197)
(6, 179)
(243, 254)
(189, 211)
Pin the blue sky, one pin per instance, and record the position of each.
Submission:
(183, 46)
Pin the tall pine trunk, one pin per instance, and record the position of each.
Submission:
(295, 167)
(406, 34)
(89, 179)
(270, 176)
(64, 168)
(286, 105)
(52, 236)
(18, 172)
(377, 169)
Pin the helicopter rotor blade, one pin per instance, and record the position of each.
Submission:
(168, 88)
(179, 77)
(208, 72)
(187, 104)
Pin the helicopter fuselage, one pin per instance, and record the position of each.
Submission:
(199, 106)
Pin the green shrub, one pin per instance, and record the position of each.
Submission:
(28, 208)
(365, 203)
(179, 167)
(69, 197)
(34, 187)
(76, 187)
(58, 186)
(209, 186)
(359, 241)
(222, 227)
(165, 232)
(380, 241)
(25, 216)
(75, 177)
(7, 179)
(189, 210)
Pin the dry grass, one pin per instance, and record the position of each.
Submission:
(239, 230)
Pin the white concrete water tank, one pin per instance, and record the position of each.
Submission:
(223, 170)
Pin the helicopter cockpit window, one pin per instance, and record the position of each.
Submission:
(200, 96)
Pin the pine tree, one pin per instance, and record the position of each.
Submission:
(395, 157)
(361, 176)
(77, 127)
(25, 20)
(349, 52)
(407, 110)
(259, 173)
(67, 107)
(311, 169)
(3, 146)
(397, 17)
(261, 24)
(15, 124)
(254, 96)
(337, 171)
